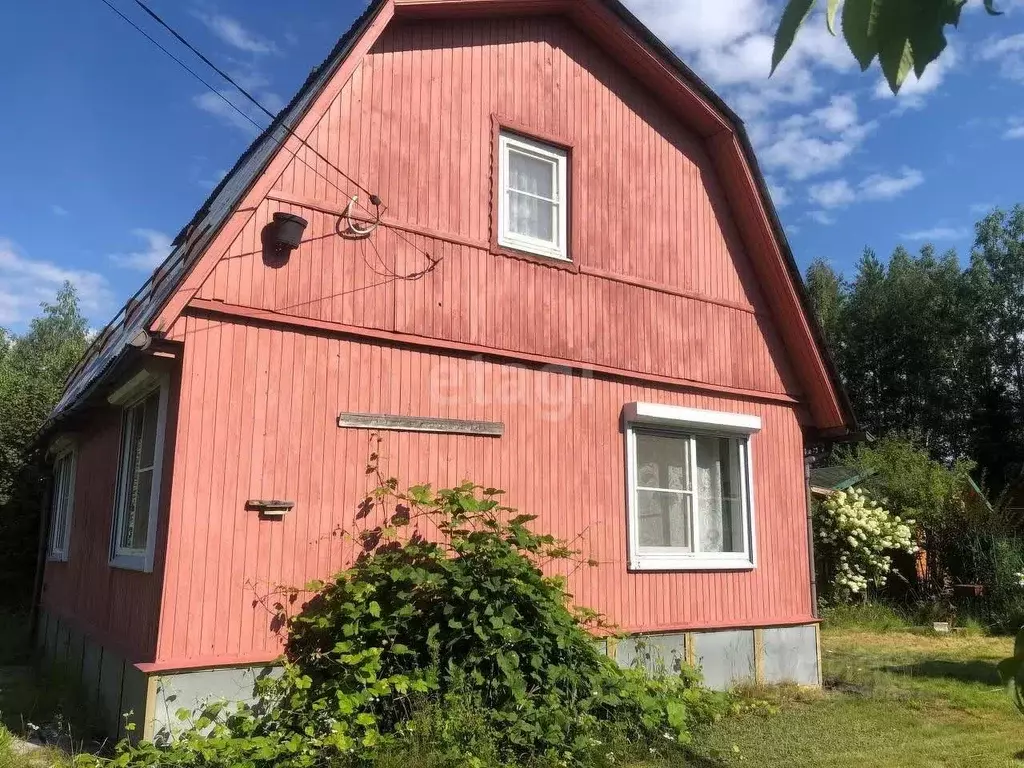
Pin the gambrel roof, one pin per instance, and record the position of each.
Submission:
(613, 27)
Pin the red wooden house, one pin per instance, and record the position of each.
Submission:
(573, 286)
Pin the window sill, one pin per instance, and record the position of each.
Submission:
(692, 563)
(56, 558)
(131, 563)
(558, 262)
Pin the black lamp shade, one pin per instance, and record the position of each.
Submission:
(288, 229)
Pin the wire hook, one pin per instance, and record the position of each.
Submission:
(355, 229)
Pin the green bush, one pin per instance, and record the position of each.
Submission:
(856, 538)
(445, 636)
(995, 560)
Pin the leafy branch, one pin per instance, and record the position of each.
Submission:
(904, 35)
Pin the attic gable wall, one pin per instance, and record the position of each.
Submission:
(665, 286)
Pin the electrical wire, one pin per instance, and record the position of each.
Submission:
(178, 61)
(242, 90)
(280, 143)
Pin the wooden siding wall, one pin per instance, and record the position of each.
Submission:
(258, 420)
(118, 608)
(666, 286)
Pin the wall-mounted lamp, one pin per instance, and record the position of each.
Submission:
(282, 236)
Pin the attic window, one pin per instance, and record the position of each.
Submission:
(533, 206)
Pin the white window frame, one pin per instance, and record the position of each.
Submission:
(560, 157)
(130, 395)
(55, 553)
(690, 423)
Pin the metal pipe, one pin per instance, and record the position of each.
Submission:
(810, 538)
(41, 557)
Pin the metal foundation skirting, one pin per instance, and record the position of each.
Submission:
(123, 694)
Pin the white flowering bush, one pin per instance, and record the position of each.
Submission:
(856, 538)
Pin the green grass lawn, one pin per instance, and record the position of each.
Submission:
(891, 699)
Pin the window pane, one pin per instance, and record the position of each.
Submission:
(663, 461)
(719, 494)
(664, 519)
(60, 504)
(531, 217)
(140, 517)
(135, 500)
(527, 173)
(151, 408)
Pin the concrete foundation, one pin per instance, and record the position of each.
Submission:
(123, 695)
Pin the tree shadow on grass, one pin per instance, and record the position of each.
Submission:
(983, 672)
(700, 760)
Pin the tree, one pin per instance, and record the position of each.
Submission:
(904, 337)
(997, 274)
(903, 35)
(825, 287)
(928, 348)
(33, 368)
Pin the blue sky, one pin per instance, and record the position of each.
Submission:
(108, 147)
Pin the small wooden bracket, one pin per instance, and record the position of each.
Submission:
(270, 507)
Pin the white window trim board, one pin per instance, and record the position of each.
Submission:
(690, 421)
(139, 560)
(61, 556)
(560, 157)
(681, 417)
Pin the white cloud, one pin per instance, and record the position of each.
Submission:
(832, 194)
(1014, 128)
(807, 145)
(822, 217)
(981, 209)
(213, 104)
(59, 210)
(25, 283)
(244, 115)
(157, 248)
(697, 24)
(1008, 52)
(914, 90)
(938, 234)
(780, 195)
(840, 193)
(214, 180)
(231, 31)
(881, 186)
(801, 120)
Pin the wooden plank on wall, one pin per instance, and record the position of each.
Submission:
(421, 424)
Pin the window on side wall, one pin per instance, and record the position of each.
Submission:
(138, 480)
(690, 488)
(62, 502)
(533, 197)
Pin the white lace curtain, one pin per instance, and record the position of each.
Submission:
(531, 214)
(718, 495)
(667, 494)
